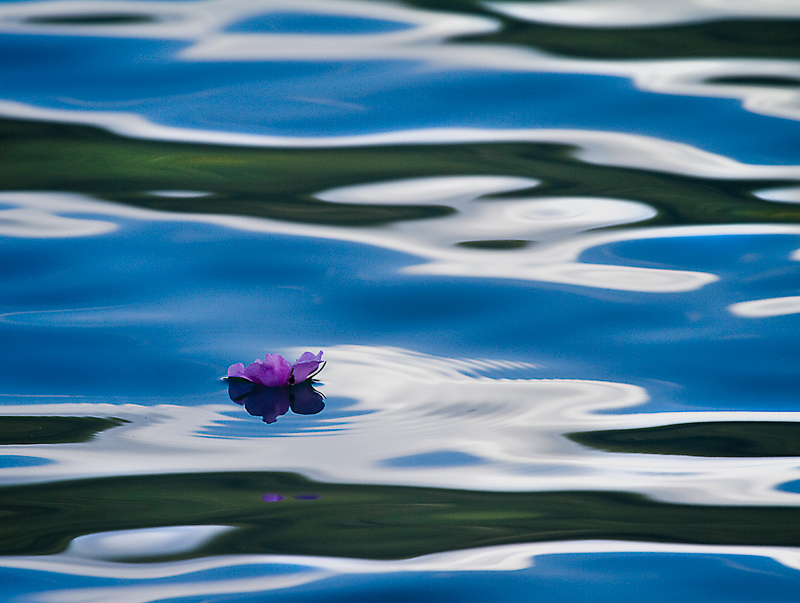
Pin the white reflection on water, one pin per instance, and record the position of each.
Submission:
(425, 41)
(533, 219)
(146, 542)
(407, 404)
(764, 308)
(555, 223)
(789, 194)
(643, 13)
(594, 147)
(536, 219)
(208, 18)
(551, 221)
(211, 575)
(183, 587)
(32, 223)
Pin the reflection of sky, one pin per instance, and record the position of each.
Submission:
(109, 311)
(182, 71)
(643, 13)
(557, 572)
(304, 23)
(147, 542)
(404, 418)
(308, 99)
(153, 311)
(115, 320)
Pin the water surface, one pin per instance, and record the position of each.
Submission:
(548, 250)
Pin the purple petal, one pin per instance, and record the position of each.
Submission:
(305, 366)
(308, 356)
(236, 370)
(273, 371)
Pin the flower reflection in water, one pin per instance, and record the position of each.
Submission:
(272, 402)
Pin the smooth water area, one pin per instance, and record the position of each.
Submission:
(548, 249)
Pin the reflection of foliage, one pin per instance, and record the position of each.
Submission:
(724, 439)
(92, 19)
(757, 80)
(498, 244)
(736, 38)
(279, 183)
(364, 521)
(19, 430)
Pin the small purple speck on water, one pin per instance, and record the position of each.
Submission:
(272, 497)
(307, 497)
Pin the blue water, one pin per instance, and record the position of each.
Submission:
(567, 578)
(168, 326)
(301, 23)
(21, 461)
(309, 99)
(449, 366)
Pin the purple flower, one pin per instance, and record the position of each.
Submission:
(306, 366)
(275, 370)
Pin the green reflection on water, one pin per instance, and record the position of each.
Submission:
(499, 244)
(734, 38)
(279, 183)
(750, 38)
(377, 522)
(92, 19)
(20, 430)
(720, 439)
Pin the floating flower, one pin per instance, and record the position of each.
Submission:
(269, 388)
(275, 370)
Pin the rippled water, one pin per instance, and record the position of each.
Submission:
(548, 249)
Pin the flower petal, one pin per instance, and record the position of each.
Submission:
(273, 371)
(236, 370)
(305, 366)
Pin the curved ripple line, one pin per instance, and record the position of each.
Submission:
(599, 148)
(144, 542)
(204, 24)
(765, 308)
(500, 558)
(147, 593)
(553, 220)
(789, 194)
(407, 403)
(642, 13)
(34, 224)
(205, 19)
